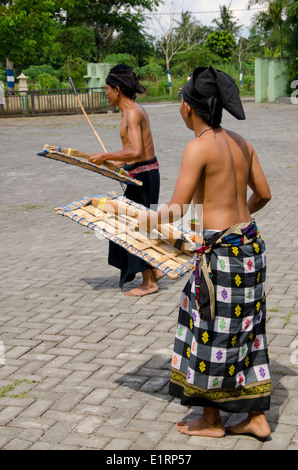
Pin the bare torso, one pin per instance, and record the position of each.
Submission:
(135, 126)
(135, 133)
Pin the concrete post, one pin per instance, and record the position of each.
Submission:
(97, 73)
(261, 80)
(277, 79)
(23, 88)
(271, 76)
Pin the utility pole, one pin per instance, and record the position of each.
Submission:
(9, 69)
(9, 75)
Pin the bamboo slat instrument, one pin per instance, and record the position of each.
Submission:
(81, 159)
(117, 223)
(181, 241)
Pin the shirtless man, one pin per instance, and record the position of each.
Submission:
(215, 361)
(138, 157)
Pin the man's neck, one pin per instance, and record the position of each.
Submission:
(125, 103)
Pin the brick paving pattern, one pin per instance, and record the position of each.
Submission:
(81, 365)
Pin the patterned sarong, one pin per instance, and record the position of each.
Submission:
(223, 361)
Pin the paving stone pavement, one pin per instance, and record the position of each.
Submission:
(81, 365)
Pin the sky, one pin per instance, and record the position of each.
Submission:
(206, 10)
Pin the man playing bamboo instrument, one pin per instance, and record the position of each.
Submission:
(138, 158)
(220, 358)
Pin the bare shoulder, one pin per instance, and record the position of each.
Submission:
(195, 152)
(135, 111)
(244, 144)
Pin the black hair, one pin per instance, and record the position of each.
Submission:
(127, 92)
(207, 117)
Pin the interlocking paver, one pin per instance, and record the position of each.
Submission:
(97, 361)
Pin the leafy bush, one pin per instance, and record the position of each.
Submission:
(45, 81)
(150, 71)
(77, 69)
(200, 56)
(35, 70)
(221, 43)
(121, 59)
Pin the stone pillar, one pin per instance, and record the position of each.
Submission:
(23, 89)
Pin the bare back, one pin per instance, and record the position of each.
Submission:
(216, 171)
(222, 186)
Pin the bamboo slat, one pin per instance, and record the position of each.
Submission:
(80, 159)
(120, 228)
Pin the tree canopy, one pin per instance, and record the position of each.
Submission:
(66, 34)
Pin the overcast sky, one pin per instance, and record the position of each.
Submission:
(206, 10)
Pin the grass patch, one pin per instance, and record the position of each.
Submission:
(29, 207)
(289, 317)
(22, 208)
(273, 309)
(5, 389)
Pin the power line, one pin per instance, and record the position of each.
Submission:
(203, 12)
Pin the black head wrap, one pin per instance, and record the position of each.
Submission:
(123, 76)
(208, 89)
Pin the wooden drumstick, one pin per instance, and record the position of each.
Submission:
(85, 114)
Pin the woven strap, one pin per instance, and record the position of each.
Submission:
(143, 168)
(204, 268)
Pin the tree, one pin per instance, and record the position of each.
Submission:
(225, 21)
(27, 25)
(278, 28)
(221, 43)
(105, 17)
(243, 46)
(272, 21)
(176, 40)
(76, 41)
(136, 42)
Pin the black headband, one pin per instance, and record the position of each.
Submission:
(123, 75)
(209, 89)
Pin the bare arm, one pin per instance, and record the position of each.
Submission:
(257, 182)
(191, 168)
(132, 145)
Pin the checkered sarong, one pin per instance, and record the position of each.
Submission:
(223, 362)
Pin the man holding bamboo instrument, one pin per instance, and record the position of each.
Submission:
(220, 357)
(138, 158)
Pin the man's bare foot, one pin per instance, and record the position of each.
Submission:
(158, 274)
(142, 290)
(148, 286)
(201, 427)
(255, 423)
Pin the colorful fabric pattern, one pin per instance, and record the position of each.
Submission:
(223, 362)
(143, 168)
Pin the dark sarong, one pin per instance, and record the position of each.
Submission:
(223, 362)
(148, 195)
